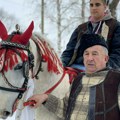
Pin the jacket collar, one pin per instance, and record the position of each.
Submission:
(98, 73)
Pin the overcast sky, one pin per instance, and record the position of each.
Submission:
(20, 10)
(14, 7)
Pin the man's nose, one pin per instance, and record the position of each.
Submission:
(90, 57)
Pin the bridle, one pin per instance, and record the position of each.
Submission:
(14, 46)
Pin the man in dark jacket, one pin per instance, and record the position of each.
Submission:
(93, 94)
(100, 22)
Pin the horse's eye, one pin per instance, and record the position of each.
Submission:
(18, 67)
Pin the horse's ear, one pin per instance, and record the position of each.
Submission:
(27, 34)
(3, 31)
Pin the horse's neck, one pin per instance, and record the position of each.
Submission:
(41, 48)
(52, 66)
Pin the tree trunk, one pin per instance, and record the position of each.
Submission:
(83, 11)
(113, 6)
(59, 27)
(42, 16)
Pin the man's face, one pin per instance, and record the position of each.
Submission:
(95, 58)
(97, 9)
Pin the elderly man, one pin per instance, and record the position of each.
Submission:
(93, 94)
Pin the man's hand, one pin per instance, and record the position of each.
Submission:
(38, 99)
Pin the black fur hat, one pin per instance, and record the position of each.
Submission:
(89, 40)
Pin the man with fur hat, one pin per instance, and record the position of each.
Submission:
(100, 22)
(93, 94)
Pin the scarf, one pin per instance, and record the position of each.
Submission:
(97, 25)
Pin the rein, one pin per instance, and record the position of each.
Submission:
(54, 86)
(29, 103)
(15, 89)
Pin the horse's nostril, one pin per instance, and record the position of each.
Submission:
(5, 114)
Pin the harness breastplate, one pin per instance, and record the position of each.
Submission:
(103, 103)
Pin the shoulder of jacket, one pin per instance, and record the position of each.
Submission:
(114, 70)
(83, 26)
(78, 78)
(111, 22)
(113, 74)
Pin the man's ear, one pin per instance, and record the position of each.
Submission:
(106, 58)
(106, 8)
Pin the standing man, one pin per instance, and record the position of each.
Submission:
(93, 94)
(100, 22)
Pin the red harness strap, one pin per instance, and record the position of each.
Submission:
(52, 88)
(47, 92)
(29, 103)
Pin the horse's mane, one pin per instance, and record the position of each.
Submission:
(48, 53)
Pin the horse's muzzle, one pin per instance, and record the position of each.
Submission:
(5, 114)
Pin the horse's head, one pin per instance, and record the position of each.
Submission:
(15, 61)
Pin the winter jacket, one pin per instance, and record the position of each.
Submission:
(112, 39)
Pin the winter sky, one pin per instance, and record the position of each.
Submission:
(20, 9)
(13, 7)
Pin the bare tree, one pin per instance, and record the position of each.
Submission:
(63, 16)
(42, 16)
(8, 19)
(113, 6)
(59, 26)
(83, 11)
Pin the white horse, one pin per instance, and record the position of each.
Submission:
(27, 67)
